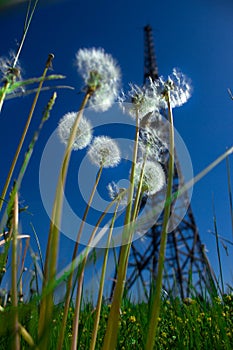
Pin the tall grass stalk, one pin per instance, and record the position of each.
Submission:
(93, 241)
(230, 192)
(218, 250)
(53, 239)
(102, 280)
(156, 297)
(27, 337)
(17, 183)
(110, 339)
(14, 273)
(20, 282)
(39, 248)
(69, 282)
(10, 173)
(81, 278)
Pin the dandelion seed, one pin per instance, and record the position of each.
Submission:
(153, 178)
(84, 131)
(104, 152)
(9, 72)
(101, 75)
(115, 191)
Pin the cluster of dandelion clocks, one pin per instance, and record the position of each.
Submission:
(150, 98)
(102, 77)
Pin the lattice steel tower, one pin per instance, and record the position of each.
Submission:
(186, 264)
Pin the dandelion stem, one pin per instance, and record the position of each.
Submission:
(69, 283)
(154, 317)
(84, 260)
(53, 239)
(139, 190)
(110, 339)
(16, 338)
(102, 279)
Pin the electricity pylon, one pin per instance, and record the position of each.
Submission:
(186, 267)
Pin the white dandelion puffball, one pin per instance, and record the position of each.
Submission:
(153, 177)
(141, 100)
(101, 74)
(179, 86)
(104, 152)
(84, 131)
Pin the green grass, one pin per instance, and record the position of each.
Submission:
(189, 324)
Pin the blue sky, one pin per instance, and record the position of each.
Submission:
(195, 36)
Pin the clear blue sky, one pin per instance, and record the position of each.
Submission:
(195, 36)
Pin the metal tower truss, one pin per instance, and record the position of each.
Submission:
(186, 267)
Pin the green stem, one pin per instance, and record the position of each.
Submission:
(139, 191)
(154, 317)
(102, 279)
(218, 251)
(3, 93)
(83, 264)
(69, 283)
(53, 239)
(230, 191)
(110, 339)
(16, 338)
(9, 176)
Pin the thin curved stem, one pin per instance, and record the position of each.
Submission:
(53, 240)
(110, 339)
(154, 317)
(14, 292)
(69, 282)
(102, 279)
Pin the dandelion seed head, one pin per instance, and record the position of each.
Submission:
(84, 131)
(153, 178)
(104, 152)
(179, 86)
(101, 74)
(141, 100)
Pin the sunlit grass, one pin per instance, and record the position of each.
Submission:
(188, 324)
